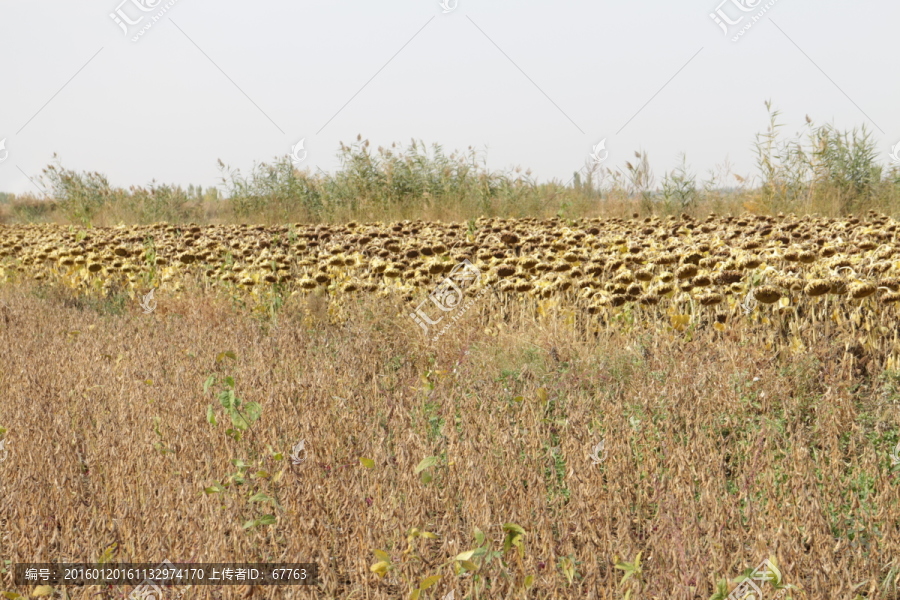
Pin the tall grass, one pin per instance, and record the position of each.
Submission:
(387, 183)
(831, 171)
(819, 170)
(86, 198)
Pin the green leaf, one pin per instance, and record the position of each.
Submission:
(261, 497)
(414, 595)
(239, 463)
(210, 415)
(469, 565)
(382, 555)
(252, 410)
(514, 535)
(519, 399)
(631, 568)
(225, 398)
(479, 537)
(223, 355)
(229, 381)
(567, 566)
(267, 520)
(426, 478)
(429, 581)
(367, 463)
(215, 488)
(238, 421)
(208, 383)
(427, 462)
(252, 523)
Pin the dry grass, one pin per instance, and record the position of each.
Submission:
(706, 470)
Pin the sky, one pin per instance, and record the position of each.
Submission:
(535, 84)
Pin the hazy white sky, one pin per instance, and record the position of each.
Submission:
(534, 83)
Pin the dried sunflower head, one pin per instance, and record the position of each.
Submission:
(686, 271)
(710, 299)
(728, 277)
(767, 294)
(862, 290)
(817, 287)
(839, 286)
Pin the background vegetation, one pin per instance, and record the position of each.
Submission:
(820, 170)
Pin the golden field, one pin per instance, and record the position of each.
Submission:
(628, 408)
